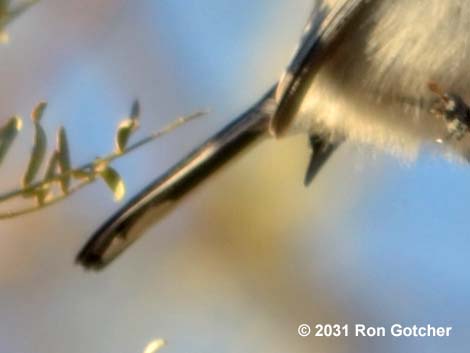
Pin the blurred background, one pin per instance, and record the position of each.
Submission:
(252, 253)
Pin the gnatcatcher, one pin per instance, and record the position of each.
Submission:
(389, 73)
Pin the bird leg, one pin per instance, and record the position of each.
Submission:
(452, 109)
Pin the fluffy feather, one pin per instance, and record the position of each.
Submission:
(374, 88)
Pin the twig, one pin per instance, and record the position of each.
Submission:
(50, 202)
(88, 167)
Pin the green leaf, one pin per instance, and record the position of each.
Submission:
(7, 135)
(43, 192)
(127, 127)
(114, 182)
(38, 112)
(39, 148)
(124, 131)
(38, 153)
(52, 165)
(64, 159)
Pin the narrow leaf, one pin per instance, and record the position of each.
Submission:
(124, 131)
(114, 182)
(52, 165)
(51, 168)
(127, 127)
(7, 135)
(64, 159)
(38, 153)
(38, 112)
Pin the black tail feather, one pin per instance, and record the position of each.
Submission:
(147, 207)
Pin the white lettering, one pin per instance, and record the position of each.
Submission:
(398, 330)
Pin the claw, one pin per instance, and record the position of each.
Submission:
(322, 149)
(453, 110)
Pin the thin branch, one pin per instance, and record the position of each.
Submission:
(50, 202)
(91, 165)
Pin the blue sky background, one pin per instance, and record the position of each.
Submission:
(251, 254)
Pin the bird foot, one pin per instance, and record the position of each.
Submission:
(452, 109)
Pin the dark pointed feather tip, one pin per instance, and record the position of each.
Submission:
(90, 261)
(308, 180)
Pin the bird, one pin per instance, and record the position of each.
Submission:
(392, 74)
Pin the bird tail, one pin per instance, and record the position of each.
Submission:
(155, 200)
